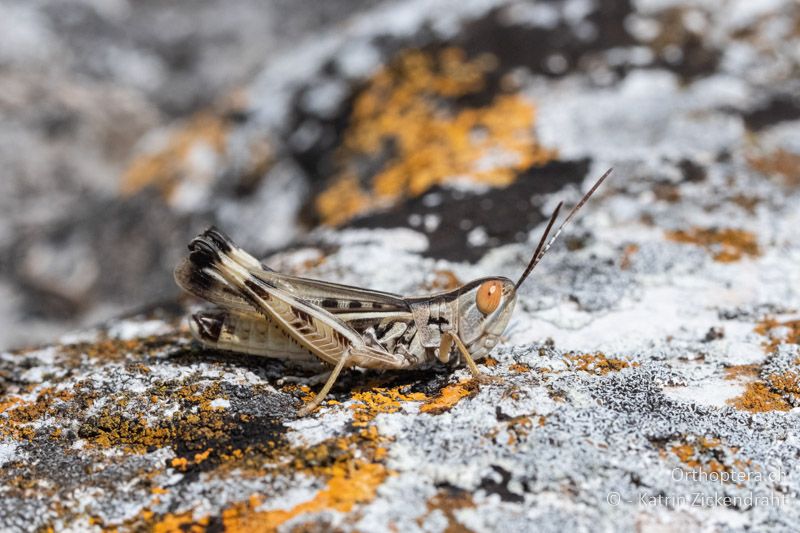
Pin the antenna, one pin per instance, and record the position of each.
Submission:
(541, 251)
(532, 262)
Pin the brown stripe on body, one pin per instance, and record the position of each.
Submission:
(257, 289)
(334, 305)
(330, 303)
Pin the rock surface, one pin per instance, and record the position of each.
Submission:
(650, 376)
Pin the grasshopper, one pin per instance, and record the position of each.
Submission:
(263, 312)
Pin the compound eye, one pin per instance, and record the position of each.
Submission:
(488, 297)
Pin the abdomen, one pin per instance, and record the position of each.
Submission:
(245, 333)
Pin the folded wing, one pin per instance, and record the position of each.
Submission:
(224, 274)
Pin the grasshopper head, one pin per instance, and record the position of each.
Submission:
(485, 307)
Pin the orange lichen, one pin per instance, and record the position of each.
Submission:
(306, 395)
(137, 435)
(706, 454)
(518, 429)
(407, 122)
(201, 432)
(748, 203)
(374, 401)
(17, 415)
(777, 333)
(336, 456)
(342, 493)
(198, 432)
(342, 200)
(775, 392)
(685, 453)
(449, 397)
(519, 368)
(787, 384)
(627, 256)
(165, 168)
(443, 280)
(350, 466)
(7, 403)
(180, 463)
(200, 457)
(759, 398)
(180, 523)
(110, 349)
(448, 501)
(196, 151)
(741, 372)
(202, 396)
(725, 244)
(781, 162)
(597, 363)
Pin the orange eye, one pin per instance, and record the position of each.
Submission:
(489, 296)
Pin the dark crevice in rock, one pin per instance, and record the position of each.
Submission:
(505, 215)
(517, 45)
(257, 432)
(780, 108)
(492, 486)
(692, 171)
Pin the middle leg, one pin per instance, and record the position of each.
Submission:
(328, 384)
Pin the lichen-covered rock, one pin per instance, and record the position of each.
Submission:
(638, 372)
(650, 377)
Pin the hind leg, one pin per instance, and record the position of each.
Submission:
(316, 379)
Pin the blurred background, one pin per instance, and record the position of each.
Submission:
(128, 126)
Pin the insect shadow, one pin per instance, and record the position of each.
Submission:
(279, 373)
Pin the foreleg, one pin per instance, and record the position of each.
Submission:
(446, 343)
